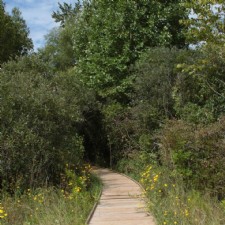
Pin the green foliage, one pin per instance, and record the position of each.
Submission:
(107, 38)
(195, 152)
(152, 103)
(199, 90)
(14, 40)
(51, 205)
(39, 124)
(206, 24)
(65, 12)
(118, 135)
(134, 162)
(58, 50)
(23, 43)
(171, 203)
(110, 36)
(155, 78)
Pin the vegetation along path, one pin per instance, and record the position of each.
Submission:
(120, 202)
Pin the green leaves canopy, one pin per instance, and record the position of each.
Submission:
(207, 22)
(14, 40)
(110, 35)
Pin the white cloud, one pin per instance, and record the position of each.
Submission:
(37, 15)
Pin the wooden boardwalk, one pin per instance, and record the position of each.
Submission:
(120, 202)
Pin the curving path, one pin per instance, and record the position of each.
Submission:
(120, 202)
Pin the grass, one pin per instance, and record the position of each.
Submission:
(50, 206)
(171, 203)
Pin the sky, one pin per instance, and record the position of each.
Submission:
(37, 14)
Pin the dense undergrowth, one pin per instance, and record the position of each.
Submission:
(172, 203)
(69, 204)
(168, 198)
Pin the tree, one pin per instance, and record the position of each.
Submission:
(155, 79)
(110, 36)
(24, 43)
(200, 87)
(207, 23)
(14, 40)
(65, 12)
(58, 50)
(199, 91)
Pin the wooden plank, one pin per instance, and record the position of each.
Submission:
(121, 202)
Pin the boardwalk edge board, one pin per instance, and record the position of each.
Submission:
(95, 206)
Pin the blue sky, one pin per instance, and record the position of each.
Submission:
(37, 14)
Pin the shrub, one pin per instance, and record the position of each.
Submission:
(39, 120)
(199, 89)
(195, 152)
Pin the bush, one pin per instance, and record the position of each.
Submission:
(199, 89)
(195, 152)
(40, 116)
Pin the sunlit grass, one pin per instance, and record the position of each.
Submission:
(51, 206)
(170, 203)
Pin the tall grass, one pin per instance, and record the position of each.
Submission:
(50, 206)
(171, 203)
